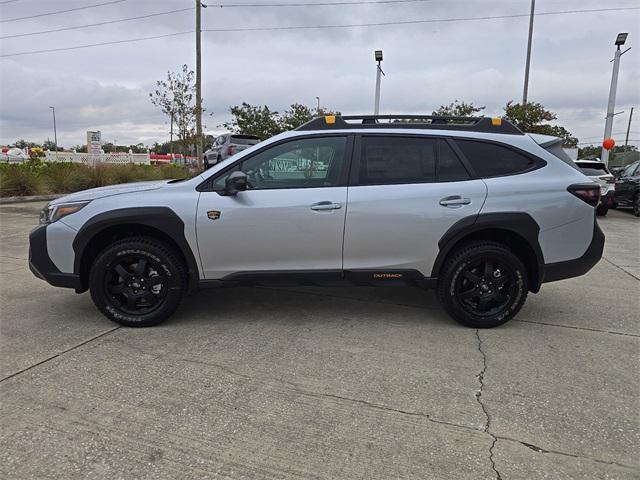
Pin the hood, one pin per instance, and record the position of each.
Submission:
(94, 193)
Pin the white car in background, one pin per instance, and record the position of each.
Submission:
(599, 173)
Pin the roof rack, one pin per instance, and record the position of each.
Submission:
(433, 122)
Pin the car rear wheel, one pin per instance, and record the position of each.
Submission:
(636, 205)
(602, 210)
(137, 282)
(483, 284)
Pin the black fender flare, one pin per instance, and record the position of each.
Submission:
(522, 224)
(160, 218)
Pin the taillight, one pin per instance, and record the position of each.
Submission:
(230, 150)
(589, 193)
(610, 180)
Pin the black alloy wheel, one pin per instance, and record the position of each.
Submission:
(137, 281)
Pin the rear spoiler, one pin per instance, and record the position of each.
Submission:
(553, 145)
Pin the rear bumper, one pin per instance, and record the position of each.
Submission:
(608, 199)
(41, 265)
(579, 266)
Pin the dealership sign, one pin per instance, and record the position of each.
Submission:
(94, 142)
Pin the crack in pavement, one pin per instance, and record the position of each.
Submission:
(15, 374)
(620, 268)
(538, 449)
(298, 389)
(589, 329)
(478, 395)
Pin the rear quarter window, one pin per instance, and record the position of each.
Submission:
(493, 160)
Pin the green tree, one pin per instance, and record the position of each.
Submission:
(531, 117)
(458, 109)
(175, 96)
(265, 122)
(252, 120)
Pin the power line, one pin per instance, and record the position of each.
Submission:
(413, 22)
(96, 24)
(408, 22)
(319, 4)
(97, 44)
(62, 11)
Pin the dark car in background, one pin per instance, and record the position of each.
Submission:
(227, 145)
(628, 188)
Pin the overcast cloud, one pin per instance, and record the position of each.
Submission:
(106, 88)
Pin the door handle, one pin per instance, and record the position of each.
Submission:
(454, 201)
(325, 206)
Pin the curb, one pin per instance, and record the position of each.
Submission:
(34, 198)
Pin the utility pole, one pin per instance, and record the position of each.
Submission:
(171, 136)
(318, 108)
(626, 139)
(55, 132)
(608, 126)
(527, 65)
(198, 87)
(379, 72)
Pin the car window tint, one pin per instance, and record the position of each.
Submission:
(593, 170)
(450, 168)
(393, 160)
(492, 160)
(301, 163)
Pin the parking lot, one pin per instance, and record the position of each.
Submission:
(364, 383)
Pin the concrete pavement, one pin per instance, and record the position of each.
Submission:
(322, 383)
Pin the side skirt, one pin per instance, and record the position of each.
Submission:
(324, 278)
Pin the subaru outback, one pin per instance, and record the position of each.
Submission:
(472, 207)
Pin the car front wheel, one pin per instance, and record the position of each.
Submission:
(483, 284)
(137, 282)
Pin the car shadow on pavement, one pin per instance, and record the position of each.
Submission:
(257, 304)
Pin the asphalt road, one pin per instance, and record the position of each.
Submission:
(358, 383)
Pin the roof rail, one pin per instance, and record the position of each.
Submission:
(432, 122)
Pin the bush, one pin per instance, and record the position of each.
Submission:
(35, 178)
(20, 180)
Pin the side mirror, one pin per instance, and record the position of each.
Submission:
(236, 182)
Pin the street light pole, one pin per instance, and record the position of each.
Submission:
(55, 131)
(379, 72)
(608, 125)
(526, 68)
(318, 107)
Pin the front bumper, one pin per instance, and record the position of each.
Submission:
(577, 266)
(41, 265)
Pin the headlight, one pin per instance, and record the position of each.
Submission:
(52, 213)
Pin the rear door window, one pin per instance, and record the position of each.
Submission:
(493, 160)
(390, 160)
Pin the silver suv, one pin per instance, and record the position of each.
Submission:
(227, 145)
(470, 206)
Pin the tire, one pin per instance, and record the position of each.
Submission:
(219, 159)
(500, 291)
(602, 210)
(636, 205)
(137, 282)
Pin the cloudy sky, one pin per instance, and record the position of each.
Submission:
(427, 64)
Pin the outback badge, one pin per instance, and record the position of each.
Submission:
(213, 214)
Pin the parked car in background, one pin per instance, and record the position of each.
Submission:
(599, 173)
(628, 188)
(227, 145)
